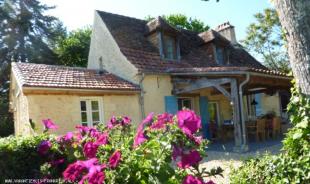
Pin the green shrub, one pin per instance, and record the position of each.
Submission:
(163, 149)
(291, 166)
(19, 157)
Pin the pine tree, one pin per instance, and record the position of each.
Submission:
(26, 35)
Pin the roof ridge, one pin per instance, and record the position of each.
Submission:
(63, 66)
(146, 22)
(123, 16)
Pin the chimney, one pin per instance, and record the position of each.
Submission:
(228, 31)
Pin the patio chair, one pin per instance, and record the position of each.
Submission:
(251, 129)
(276, 127)
(213, 130)
(260, 130)
(268, 128)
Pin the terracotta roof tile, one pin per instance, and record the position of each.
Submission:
(52, 76)
(130, 35)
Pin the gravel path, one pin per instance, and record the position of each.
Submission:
(220, 155)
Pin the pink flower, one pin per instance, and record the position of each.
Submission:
(90, 149)
(89, 163)
(176, 152)
(75, 171)
(94, 175)
(188, 121)
(82, 129)
(112, 122)
(68, 137)
(122, 121)
(139, 139)
(146, 121)
(190, 159)
(44, 147)
(102, 139)
(49, 124)
(197, 140)
(55, 163)
(115, 159)
(190, 179)
(126, 120)
(93, 132)
(161, 121)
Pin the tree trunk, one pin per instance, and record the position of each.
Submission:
(295, 19)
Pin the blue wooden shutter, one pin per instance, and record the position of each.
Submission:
(258, 107)
(171, 104)
(205, 116)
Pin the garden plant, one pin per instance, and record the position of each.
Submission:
(162, 149)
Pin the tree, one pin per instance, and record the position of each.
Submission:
(265, 38)
(25, 32)
(295, 19)
(26, 35)
(73, 49)
(182, 21)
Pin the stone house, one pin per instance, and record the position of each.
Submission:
(136, 67)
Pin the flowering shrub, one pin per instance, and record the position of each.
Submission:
(162, 149)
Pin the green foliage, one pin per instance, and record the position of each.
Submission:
(19, 157)
(291, 166)
(6, 118)
(182, 21)
(265, 38)
(153, 160)
(73, 49)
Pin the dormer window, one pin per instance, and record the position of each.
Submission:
(220, 55)
(169, 47)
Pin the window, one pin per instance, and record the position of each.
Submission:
(220, 56)
(90, 112)
(185, 103)
(170, 47)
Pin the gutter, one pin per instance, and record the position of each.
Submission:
(241, 111)
(232, 73)
(141, 99)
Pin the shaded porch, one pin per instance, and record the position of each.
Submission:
(226, 100)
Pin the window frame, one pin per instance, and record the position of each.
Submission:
(89, 110)
(186, 98)
(223, 62)
(162, 41)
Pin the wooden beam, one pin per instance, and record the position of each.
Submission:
(236, 113)
(205, 83)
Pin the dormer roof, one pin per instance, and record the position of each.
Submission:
(130, 35)
(160, 24)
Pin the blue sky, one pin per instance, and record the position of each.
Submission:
(78, 13)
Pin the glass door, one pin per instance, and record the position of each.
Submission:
(214, 112)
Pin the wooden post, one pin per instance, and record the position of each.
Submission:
(236, 115)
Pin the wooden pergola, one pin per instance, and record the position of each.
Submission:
(232, 85)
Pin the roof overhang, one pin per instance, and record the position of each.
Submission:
(76, 91)
(258, 82)
(229, 73)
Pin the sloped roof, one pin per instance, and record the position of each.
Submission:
(225, 69)
(130, 35)
(52, 76)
